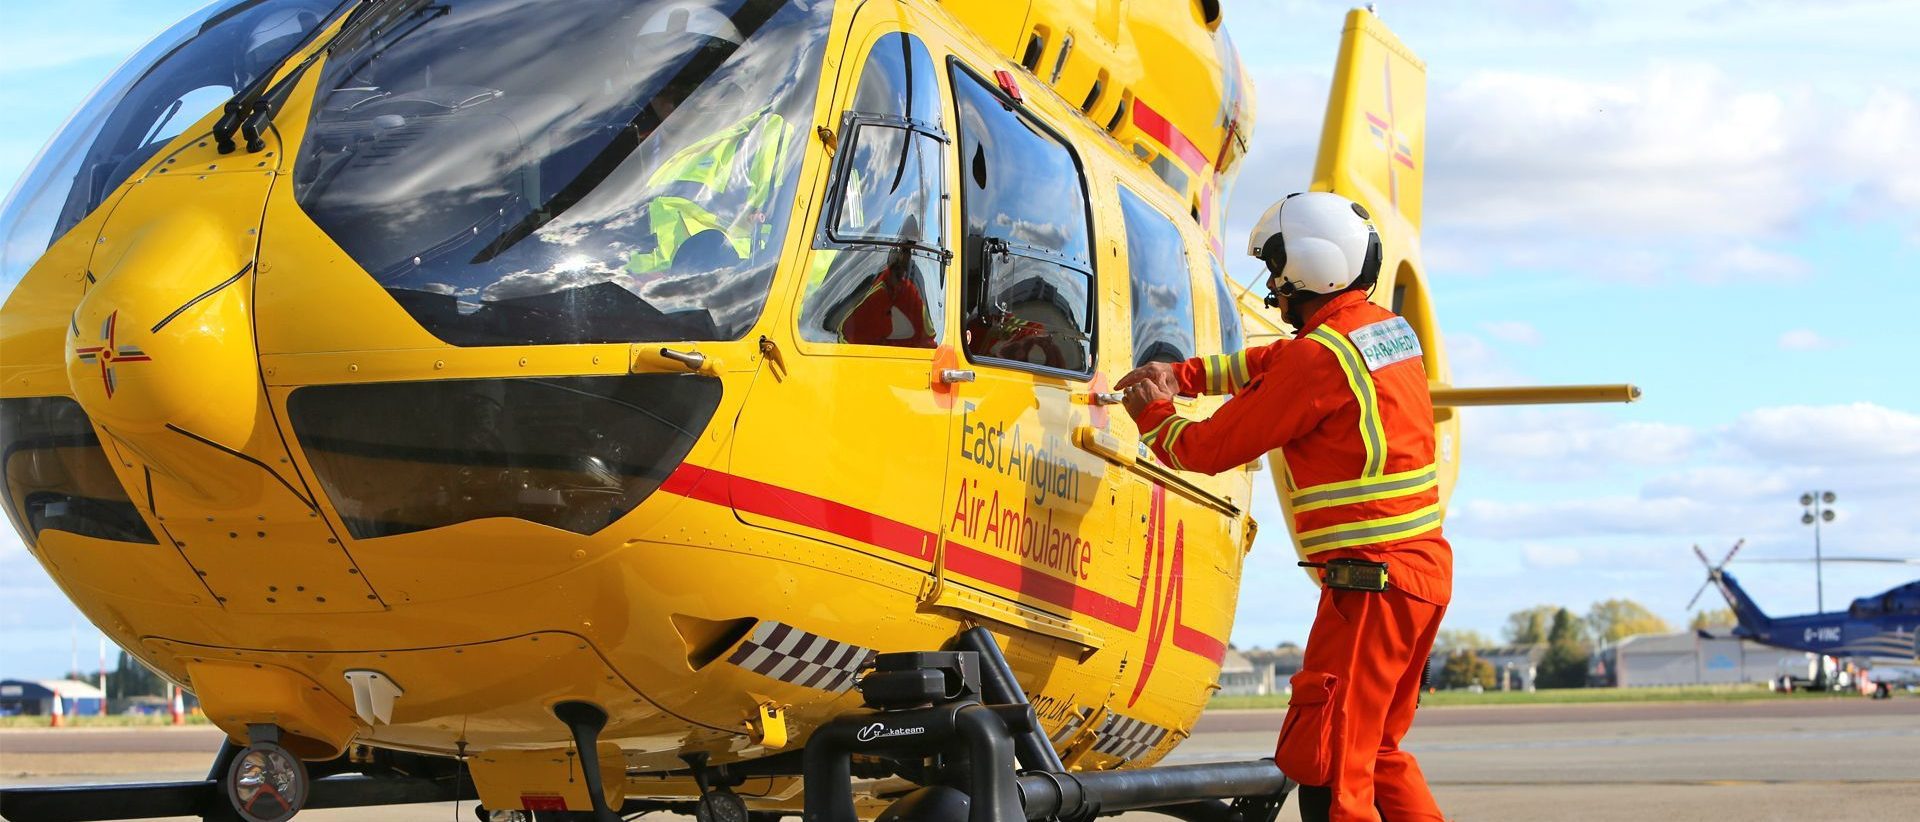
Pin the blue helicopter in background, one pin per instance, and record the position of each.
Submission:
(1882, 629)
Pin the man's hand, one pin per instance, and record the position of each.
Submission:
(1143, 393)
(1155, 372)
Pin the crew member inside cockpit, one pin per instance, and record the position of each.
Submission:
(736, 165)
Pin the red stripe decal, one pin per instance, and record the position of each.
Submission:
(792, 506)
(787, 505)
(1189, 639)
(693, 482)
(980, 565)
(1376, 121)
(1159, 128)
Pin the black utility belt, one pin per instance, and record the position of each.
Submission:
(1352, 574)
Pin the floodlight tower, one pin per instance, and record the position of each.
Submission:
(1816, 505)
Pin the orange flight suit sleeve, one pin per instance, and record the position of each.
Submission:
(1298, 388)
(1225, 373)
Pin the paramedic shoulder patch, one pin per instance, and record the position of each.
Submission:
(1385, 343)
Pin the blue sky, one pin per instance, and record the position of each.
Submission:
(1715, 199)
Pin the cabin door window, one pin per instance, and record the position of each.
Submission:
(1028, 270)
(878, 272)
(1161, 283)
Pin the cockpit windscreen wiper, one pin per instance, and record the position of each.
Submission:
(252, 107)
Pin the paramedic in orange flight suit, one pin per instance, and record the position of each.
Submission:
(1346, 404)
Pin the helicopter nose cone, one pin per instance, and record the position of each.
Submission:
(162, 341)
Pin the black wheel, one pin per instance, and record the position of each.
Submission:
(721, 806)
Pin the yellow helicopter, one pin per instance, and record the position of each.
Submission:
(599, 407)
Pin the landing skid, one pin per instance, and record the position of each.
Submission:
(955, 723)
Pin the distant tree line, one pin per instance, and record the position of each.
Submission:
(1570, 640)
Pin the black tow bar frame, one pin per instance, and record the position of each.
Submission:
(927, 707)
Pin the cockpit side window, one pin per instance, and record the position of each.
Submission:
(1026, 259)
(521, 172)
(1162, 284)
(878, 273)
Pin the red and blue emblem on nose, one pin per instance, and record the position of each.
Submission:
(108, 353)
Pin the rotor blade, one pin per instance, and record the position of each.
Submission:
(1702, 555)
(1731, 551)
(1696, 594)
(1895, 560)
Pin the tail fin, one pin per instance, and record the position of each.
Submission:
(1752, 619)
(1372, 151)
(1373, 142)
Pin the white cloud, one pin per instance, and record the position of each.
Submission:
(1545, 556)
(1747, 263)
(1474, 361)
(1876, 144)
(1591, 516)
(1859, 433)
(1567, 442)
(1644, 157)
(1740, 478)
(1723, 483)
(1517, 332)
(1804, 339)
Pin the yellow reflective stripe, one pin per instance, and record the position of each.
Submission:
(1172, 436)
(1226, 373)
(1363, 481)
(1392, 490)
(1372, 531)
(1148, 435)
(1365, 489)
(1372, 434)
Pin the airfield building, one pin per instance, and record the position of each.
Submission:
(1265, 671)
(35, 697)
(1686, 658)
(1238, 677)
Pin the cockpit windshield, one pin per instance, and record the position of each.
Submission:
(521, 172)
(187, 72)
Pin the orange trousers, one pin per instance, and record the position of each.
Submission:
(1352, 702)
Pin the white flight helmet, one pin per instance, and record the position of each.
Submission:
(1316, 243)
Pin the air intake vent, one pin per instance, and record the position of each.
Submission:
(1036, 46)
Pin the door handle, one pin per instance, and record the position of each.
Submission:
(950, 376)
(694, 361)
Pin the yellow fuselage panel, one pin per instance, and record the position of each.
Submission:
(841, 500)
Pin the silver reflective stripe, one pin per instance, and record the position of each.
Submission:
(1410, 526)
(1371, 488)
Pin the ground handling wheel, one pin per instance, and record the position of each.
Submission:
(266, 783)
